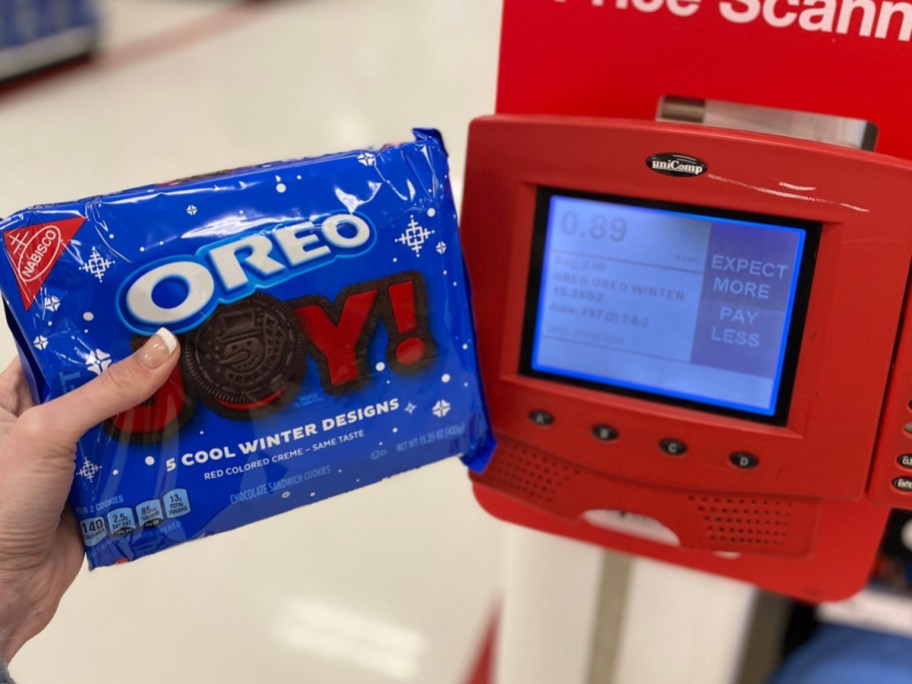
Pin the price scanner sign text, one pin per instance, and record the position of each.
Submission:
(889, 20)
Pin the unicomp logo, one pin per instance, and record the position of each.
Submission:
(181, 292)
(674, 164)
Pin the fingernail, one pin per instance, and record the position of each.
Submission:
(158, 348)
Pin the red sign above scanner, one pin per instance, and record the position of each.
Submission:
(692, 365)
(619, 57)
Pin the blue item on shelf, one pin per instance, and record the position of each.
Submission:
(847, 655)
(38, 33)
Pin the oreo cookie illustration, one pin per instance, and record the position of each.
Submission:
(248, 359)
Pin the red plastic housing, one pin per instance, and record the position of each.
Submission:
(807, 519)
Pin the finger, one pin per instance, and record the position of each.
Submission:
(12, 369)
(26, 399)
(13, 388)
(122, 386)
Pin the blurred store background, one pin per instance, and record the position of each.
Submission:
(395, 583)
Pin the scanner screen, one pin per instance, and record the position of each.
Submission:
(669, 302)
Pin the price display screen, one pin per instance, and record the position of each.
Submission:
(690, 306)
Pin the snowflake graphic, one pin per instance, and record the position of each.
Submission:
(285, 495)
(88, 470)
(52, 303)
(40, 342)
(441, 408)
(191, 209)
(97, 265)
(410, 409)
(97, 361)
(367, 159)
(414, 236)
(441, 247)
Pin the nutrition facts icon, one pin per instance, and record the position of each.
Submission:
(177, 503)
(93, 531)
(121, 522)
(150, 513)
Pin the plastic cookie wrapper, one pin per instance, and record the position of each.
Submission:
(326, 337)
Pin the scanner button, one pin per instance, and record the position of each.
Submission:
(673, 447)
(540, 417)
(903, 484)
(905, 461)
(605, 433)
(744, 460)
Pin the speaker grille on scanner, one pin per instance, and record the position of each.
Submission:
(725, 522)
(530, 473)
(747, 520)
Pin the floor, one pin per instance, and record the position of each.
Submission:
(395, 583)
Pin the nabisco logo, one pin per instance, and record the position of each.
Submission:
(33, 251)
(36, 256)
(672, 164)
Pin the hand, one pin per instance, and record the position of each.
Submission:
(41, 548)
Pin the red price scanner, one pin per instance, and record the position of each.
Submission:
(695, 342)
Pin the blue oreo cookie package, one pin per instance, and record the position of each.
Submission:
(326, 337)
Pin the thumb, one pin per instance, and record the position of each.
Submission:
(119, 388)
